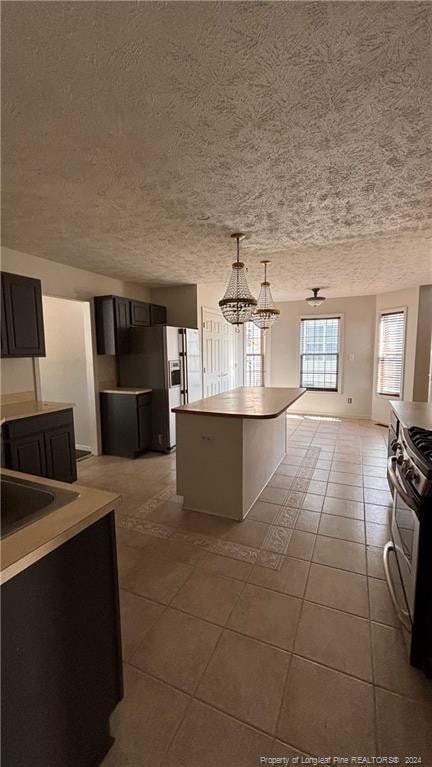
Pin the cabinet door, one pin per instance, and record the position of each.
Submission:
(28, 455)
(23, 315)
(140, 314)
(60, 453)
(144, 427)
(123, 321)
(4, 339)
(158, 314)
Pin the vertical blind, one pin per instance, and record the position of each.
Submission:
(319, 353)
(390, 353)
(254, 355)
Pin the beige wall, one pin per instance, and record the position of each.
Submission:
(423, 346)
(408, 299)
(61, 281)
(67, 371)
(357, 355)
(181, 303)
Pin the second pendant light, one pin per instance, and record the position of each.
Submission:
(265, 313)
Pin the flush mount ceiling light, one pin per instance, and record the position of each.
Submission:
(238, 302)
(315, 300)
(266, 313)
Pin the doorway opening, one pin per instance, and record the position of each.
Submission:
(67, 371)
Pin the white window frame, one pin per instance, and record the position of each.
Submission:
(391, 310)
(332, 316)
(262, 355)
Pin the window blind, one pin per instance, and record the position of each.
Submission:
(391, 338)
(319, 353)
(254, 355)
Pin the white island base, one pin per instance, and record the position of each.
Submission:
(225, 455)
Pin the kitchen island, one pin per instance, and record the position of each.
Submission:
(229, 446)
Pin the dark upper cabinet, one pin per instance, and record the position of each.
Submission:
(43, 445)
(140, 314)
(158, 314)
(113, 320)
(22, 317)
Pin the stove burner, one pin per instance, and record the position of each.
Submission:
(422, 441)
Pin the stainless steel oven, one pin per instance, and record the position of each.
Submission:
(405, 529)
(407, 556)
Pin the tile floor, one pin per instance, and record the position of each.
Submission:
(271, 637)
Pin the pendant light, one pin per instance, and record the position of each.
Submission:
(238, 302)
(315, 300)
(266, 313)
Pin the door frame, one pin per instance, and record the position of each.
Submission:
(91, 371)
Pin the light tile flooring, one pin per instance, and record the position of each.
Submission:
(271, 637)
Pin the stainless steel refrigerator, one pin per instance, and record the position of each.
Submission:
(168, 361)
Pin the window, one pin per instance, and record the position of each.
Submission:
(254, 355)
(391, 342)
(319, 353)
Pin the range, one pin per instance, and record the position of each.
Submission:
(410, 479)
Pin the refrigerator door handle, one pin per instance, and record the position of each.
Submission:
(183, 366)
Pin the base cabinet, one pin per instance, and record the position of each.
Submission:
(61, 669)
(126, 423)
(43, 445)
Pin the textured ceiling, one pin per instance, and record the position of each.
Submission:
(306, 125)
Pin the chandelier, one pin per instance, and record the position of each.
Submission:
(315, 300)
(266, 313)
(238, 302)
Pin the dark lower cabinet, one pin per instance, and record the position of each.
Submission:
(22, 316)
(126, 423)
(61, 669)
(43, 445)
(28, 455)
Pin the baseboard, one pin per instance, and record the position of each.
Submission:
(83, 447)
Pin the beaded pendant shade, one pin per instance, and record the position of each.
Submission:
(238, 302)
(266, 313)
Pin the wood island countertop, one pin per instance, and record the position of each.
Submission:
(26, 546)
(244, 402)
(413, 413)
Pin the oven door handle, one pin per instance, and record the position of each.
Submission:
(397, 485)
(402, 614)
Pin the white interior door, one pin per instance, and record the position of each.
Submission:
(220, 361)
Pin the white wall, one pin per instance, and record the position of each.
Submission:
(61, 281)
(423, 346)
(66, 373)
(358, 340)
(409, 299)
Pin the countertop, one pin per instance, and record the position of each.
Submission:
(15, 410)
(26, 546)
(244, 402)
(125, 390)
(413, 413)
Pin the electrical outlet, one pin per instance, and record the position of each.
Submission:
(349, 400)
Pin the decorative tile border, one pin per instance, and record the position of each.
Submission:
(276, 542)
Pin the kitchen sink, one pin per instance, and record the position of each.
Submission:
(24, 501)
